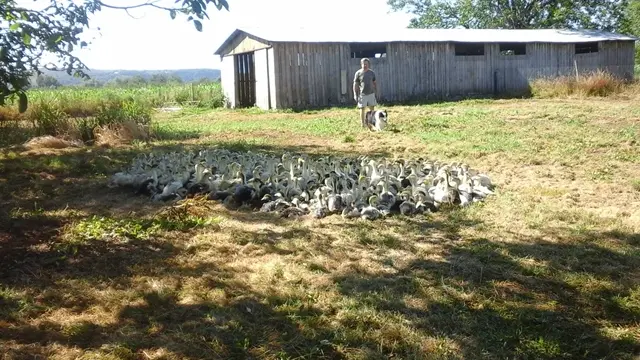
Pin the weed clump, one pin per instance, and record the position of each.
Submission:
(595, 84)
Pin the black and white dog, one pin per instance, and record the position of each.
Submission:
(376, 120)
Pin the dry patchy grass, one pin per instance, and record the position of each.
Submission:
(50, 142)
(120, 134)
(547, 269)
(591, 84)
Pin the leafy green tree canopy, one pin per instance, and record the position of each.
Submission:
(26, 35)
(631, 21)
(514, 14)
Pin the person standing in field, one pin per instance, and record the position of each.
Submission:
(364, 89)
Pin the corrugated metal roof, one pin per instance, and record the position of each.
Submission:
(337, 35)
(431, 35)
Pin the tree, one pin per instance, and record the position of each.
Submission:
(513, 14)
(174, 79)
(44, 80)
(165, 79)
(92, 83)
(128, 81)
(137, 80)
(26, 35)
(631, 23)
(158, 79)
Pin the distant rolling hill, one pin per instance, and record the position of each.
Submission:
(105, 76)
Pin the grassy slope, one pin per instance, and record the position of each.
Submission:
(549, 268)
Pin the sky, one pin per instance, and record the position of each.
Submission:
(153, 41)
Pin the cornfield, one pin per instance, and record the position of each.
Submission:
(81, 111)
(204, 95)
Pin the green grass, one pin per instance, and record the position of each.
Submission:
(461, 130)
(547, 269)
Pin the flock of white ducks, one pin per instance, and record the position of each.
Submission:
(298, 185)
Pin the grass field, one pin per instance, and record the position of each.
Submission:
(206, 94)
(549, 268)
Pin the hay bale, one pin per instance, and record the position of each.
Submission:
(122, 133)
(50, 142)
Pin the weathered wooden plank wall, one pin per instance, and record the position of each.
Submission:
(515, 72)
(308, 75)
(507, 71)
(615, 57)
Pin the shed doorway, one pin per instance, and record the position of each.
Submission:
(245, 79)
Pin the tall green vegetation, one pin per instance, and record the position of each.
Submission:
(77, 112)
(524, 14)
(631, 20)
(631, 23)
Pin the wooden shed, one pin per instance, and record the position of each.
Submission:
(307, 68)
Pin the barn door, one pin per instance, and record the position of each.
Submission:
(245, 80)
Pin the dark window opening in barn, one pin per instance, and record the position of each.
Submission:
(587, 48)
(369, 50)
(513, 49)
(469, 49)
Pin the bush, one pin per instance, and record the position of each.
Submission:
(49, 119)
(599, 83)
(216, 99)
(121, 111)
(123, 114)
(9, 113)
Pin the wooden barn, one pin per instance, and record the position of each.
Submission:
(303, 68)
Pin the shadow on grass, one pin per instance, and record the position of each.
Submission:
(144, 281)
(11, 133)
(482, 298)
(75, 180)
(532, 299)
(44, 177)
(243, 328)
(161, 133)
(528, 299)
(225, 320)
(221, 317)
(58, 179)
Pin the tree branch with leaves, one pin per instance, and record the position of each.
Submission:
(26, 35)
(514, 14)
